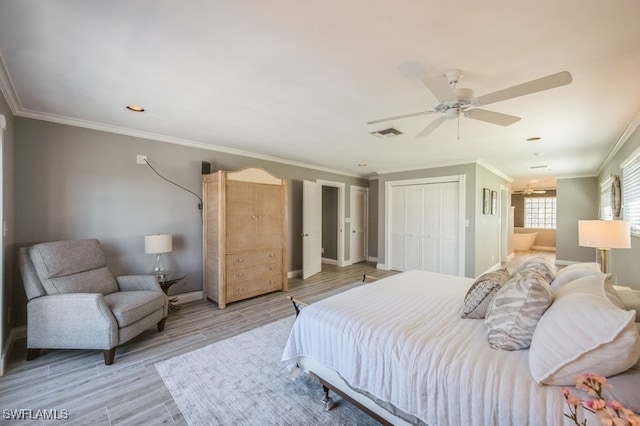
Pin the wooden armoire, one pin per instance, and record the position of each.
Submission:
(245, 234)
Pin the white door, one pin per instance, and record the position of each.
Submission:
(359, 218)
(311, 228)
(425, 227)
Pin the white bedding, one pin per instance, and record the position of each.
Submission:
(402, 340)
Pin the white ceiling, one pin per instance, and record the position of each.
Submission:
(299, 80)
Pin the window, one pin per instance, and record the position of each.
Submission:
(631, 191)
(606, 208)
(540, 212)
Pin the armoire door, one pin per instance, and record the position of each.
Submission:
(241, 223)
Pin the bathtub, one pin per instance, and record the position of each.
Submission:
(523, 241)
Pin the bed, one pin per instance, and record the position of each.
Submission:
(399, 348)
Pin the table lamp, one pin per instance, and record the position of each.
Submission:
(158, 244)
(604, 235)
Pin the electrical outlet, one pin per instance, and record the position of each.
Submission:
(141, 159)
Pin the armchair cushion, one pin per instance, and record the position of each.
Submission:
(131, 306)
(72, 267)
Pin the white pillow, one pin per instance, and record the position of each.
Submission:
(573, 272)
(583, 331)
(631, 300)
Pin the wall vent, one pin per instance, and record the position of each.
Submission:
(386, 133)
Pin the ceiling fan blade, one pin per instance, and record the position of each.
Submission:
(441, 89)
(549, 82)
(415, 114)
(491, 117)
(431, 127)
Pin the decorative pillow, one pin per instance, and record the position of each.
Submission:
(536, 266)
(573, 272)
(583, 331)
(631, 300)
(481, 293)
(515, 310)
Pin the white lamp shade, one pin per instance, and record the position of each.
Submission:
(158, 243)
(604, 234)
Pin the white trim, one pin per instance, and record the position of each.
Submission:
(383, 266)
(293, 274)
(493, 170)
(341, 214)
(631, 128)
(366, 220)
(373, 259)
(169, 139)
(630, 158)
(328, 261)
(3, 122)
(7, 88)
(188, 297)
(462, 189)
(15, 333)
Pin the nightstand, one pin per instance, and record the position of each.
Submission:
(166, 281)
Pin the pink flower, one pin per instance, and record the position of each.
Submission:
(615, 405)
(597, 404)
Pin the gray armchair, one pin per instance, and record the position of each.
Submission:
(75, 303)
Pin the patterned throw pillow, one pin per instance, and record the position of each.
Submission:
(536, 266)
(481, 293)
(516, 309)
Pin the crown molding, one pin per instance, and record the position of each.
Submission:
(7, 88)
(631, 128)
(173, 140)
(493, 170)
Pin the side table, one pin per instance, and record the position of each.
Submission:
(166, 281)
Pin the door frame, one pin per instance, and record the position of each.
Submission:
(503, 221)
(341, 215)
(365, 219)
(462, 223)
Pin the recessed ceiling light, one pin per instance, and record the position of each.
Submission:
(135, 108)
(533, 139)
(362, 164)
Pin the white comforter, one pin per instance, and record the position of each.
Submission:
(403, 341)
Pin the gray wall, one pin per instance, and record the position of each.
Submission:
(623, 265)
(330, 222)
(487, 226)
(8, 260)
(80, 183)
(482, 229)
(577, 199)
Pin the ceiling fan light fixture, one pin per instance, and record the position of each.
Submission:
(465, 96)
(135, 108)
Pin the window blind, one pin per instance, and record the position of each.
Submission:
(631, 193)
(606, 208)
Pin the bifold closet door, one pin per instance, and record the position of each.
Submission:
(424, 227)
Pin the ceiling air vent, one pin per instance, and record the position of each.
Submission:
(386, 133)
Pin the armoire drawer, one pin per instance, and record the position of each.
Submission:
(254, 257)
(238, 290)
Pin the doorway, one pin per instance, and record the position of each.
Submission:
(312, 224)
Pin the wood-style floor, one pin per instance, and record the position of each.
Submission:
(130, 392)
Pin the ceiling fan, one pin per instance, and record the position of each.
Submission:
(454, 102)
(529, 190)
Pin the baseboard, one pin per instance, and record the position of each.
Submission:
(188, 297)
(543, 248)
(373, 259)
(16, 333)
(329, 261)
(383, 266)
(296, 273)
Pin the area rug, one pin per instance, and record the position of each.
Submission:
(241, 381)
